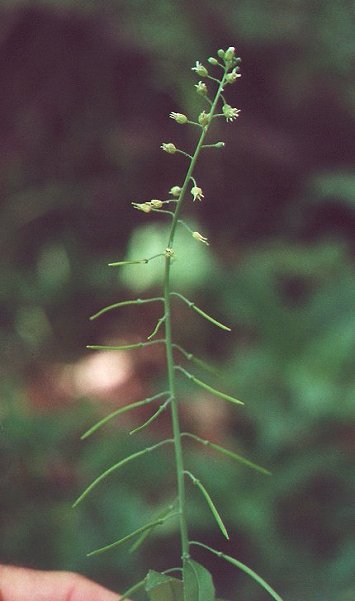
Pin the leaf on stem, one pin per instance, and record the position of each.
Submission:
(117, 466)
(137, 301)
(161, 587)
(210, 503)
(120, 263)
(123, 347)
(200, 312)
(228, 453)
(217, 393)
(128, 537)
(134, 262)
(153, 417)
(198, 583)
(197, 360)
(242, 567)
(162, 514)
(129, 407)
(156, 329)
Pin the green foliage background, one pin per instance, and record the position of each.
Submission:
(86, 89)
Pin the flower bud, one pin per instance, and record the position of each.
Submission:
(169, 147)
(233, 76)
(156, 204)
(220, 53)
(229, 54)
(204, 118)
(145, 207)
(175, 191)
(213, 61)
(179, 118)
(201, 88)
(200, 69)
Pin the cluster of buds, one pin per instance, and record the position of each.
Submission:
(228, 56)
(231, 61)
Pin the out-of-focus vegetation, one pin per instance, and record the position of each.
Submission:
(86, 89)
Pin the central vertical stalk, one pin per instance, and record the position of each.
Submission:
(175, 414)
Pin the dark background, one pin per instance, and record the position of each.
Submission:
(85, 93)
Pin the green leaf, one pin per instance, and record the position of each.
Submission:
(210, 503)
(136, 301)
(117, 412)
(198, 583)
(200, 312)
(160, 587)
(218, 393)
(117, 466)
(133, 534)
(228, 453)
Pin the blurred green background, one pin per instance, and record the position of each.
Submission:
(86, 90)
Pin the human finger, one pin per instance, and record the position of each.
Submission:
(23, 584)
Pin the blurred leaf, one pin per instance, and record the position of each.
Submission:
(198, 584)
(334, 187)
(161, 587)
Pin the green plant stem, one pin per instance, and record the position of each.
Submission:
(175, 417)
(169, 340)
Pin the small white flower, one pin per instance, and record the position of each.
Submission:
(200, 238)
(204, 118)
(200, 69)
(201, 88)
(179, 118)
(145, 207)
(197, 193)
(233, 76)
(169, 147)
(229, 112)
